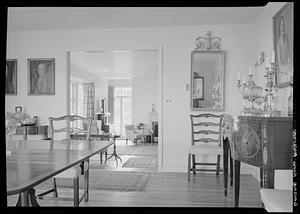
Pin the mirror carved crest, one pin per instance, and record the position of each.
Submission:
(207, 74)
(208, 42)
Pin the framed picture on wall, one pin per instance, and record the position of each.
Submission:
(11, 77)
(283, 30)
(41, 76)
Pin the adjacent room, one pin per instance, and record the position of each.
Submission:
(150, 106)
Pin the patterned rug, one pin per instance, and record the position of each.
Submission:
(141, 162)
(140, 149)
(109, 181)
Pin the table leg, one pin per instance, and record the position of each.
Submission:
(24, 199)
(25, 133)
(27, 198)
(32, 197)
(86, 182)
(225, 165)
(237, 166)
(231, 168)
(114, 154)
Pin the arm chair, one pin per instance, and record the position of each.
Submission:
(279, 199)
(132, 134)
(206, 140)
(76, 171)
(129, 133)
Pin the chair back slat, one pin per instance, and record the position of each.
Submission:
(70, 130)
(205, 124)
(206, 128)
(206, 132)
(206, 140)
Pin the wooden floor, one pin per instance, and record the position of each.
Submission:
(165, 190)
(170, 190)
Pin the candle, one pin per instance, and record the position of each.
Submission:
(250, 70)
(273, 56)
(267, 62)
(244, 79)
(239, 76)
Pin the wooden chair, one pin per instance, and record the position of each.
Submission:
(132, 135)
(74, 172)
(98, 137)
(204, 126)
(279, 199)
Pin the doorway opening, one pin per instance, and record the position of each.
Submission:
(126, 87)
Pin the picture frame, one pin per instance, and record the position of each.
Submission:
(11, 77)
(18, 109)
(41, 76)
(283, 41)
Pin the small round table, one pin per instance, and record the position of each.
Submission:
(114, 152)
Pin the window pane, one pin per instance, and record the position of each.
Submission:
(126, 116)
(118, 92)
(126, 104)
(80, 91)
(126, 91)
(117, 117)
(117, 104)
(118, 129)
(80, 107)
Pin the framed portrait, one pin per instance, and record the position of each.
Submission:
(41, 76)
(283, 37)
(11, 77)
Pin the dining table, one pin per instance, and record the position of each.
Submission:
(31, 162)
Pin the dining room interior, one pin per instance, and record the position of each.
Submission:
(151, 107)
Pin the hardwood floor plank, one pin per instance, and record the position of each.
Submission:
(170, 190)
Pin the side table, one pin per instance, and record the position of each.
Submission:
(114, 154)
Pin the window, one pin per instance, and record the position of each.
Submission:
(76, 99)
(122, 109)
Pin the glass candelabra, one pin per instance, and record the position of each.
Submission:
(269, 109)
(252, 94)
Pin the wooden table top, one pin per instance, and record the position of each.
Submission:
(33, 161)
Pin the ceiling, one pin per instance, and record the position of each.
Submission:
(117, 64)
(50, 18)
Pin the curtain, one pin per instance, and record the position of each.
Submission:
(110, 103)
(89, 99)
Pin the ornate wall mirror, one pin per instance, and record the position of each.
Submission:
(207, 75)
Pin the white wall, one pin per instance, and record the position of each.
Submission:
(177, 44)
(144, 94)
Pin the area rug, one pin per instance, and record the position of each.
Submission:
(141, 162)
(109, 181)
(141, 149)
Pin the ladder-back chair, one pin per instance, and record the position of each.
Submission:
(74, 172)
(206, 140)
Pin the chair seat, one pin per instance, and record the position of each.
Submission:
(139, 136)
(276, 200)
(206, 149)
(72, 172)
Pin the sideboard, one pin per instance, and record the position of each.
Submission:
(264, 142)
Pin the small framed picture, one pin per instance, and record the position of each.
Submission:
(283, 38)
(11, 77)
(41, 76)
(18, 109)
